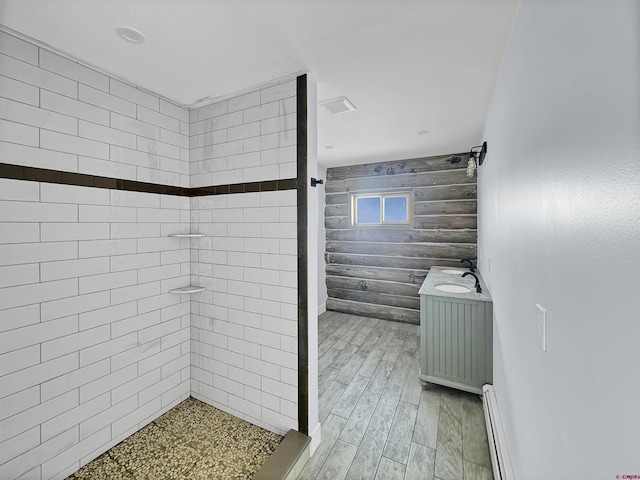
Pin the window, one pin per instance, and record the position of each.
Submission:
(380, 209)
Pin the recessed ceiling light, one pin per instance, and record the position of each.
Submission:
(338, 105)
(423, 132)
(130, 35)
(329, 147)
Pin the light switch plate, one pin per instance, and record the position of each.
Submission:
(541, 327)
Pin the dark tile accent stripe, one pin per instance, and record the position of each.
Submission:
(303, 250)
(264, 186)
(18, 172)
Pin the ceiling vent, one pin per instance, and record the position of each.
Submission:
(338, 105)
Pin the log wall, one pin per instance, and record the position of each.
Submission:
(377, 271)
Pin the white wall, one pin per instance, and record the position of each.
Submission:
(245, 330)
(92, 346)
(244, 336)
(313, 201)
(322, 240)
(559, 210)
(60, 115)
(248, 138)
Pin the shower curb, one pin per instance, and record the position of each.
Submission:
(289, 458)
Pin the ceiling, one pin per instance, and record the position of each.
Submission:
(407, 65)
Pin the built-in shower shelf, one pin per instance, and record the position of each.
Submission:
(188, 289)
(187, 235)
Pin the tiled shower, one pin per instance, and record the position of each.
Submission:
(92, 344)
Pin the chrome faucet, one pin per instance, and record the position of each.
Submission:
(472, 267)
(478, 289)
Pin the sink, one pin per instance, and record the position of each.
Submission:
(454, 272)
(452, 288)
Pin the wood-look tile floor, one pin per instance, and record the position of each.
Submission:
(378, 422)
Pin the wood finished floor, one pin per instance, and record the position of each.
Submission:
(377, 421)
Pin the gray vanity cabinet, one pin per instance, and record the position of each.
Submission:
(456, 337)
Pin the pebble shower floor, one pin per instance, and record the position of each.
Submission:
(191, 441)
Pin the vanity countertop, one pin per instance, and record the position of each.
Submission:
(436, 276)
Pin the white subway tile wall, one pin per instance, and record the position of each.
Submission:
(60, 115)
(88, 339)
(244, 326)
(249, 138)
(92, 345)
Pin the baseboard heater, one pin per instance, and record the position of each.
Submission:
(502, 468)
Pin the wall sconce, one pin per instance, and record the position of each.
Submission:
(476, 157)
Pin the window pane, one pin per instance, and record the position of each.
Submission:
(395, 209)
(367, 210)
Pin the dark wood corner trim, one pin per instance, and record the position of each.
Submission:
(303, 254)
(33, 174)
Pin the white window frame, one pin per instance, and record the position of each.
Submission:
(382, 195)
